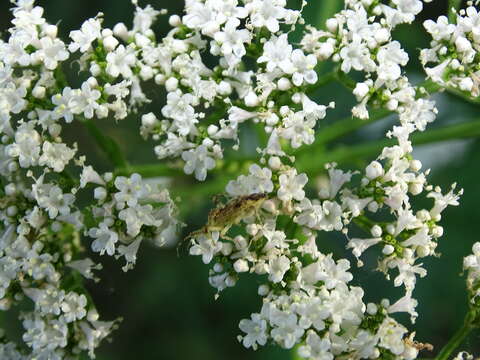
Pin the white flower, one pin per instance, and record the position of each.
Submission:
(256, 331)
(203, 16)
(313, 313)
(356, 55)
(84, 267)
(198, 160)
(26, 146)
(303, 68)
(48, 300)
(55, 155)
(390, 57)
(291, 185)
(337, 179)
(84, 101)
(121, 61)
(310, 213)
(129, 253)
(130, 190)
(51, 198)
(137, 216)
(332, 273)
(407, 274)
(391, 334)
(332, 216)
(316, 347)
(51, 52)
(105, 239)
(258, 181)
(360, 245)
(409, 6)
(298, 129)
(266, 13)
(62, 102)
(179, 108)
(277, 54)
(442, 201)
(144, 18)
(286, 330)
(232, 39)
(405, 304)
(207, 246)
(440, 29)
(89, 175)
(278, 266)
(73, 307)
(44, 335)
(82, 39)
(364, 344)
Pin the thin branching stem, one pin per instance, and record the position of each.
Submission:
(457, 338)
(453, 7)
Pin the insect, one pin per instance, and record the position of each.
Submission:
(223, 217)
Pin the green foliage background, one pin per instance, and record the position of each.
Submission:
(166, 302)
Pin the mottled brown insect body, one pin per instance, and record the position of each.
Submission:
(223, 217)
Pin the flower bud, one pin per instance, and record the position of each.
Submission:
(171, 84)
(388, 250)
(175, 20)
(361, 90)
(240, 266)
(374, 170)
(39, 92)
(376, 231)
(51, 31)
(284, 84)
(121, 31)
(224, 88)
(263, 290)
(110, 43)
(251, 99)
(332, 24)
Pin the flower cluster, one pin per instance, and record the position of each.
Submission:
(463, 355)
(206, 106)
(453, 55)
(223, 64)
(471, 263)
(307, 296)
(42, 256)
(280, 223)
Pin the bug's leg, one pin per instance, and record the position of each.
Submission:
(217, 199)
(190, 237)
(256, 212)
(223, 233)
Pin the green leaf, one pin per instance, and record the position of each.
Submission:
(325, 10)
(453, 6)
(107, 144)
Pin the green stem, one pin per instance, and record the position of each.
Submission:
(345, 80)
(322, 81)
(457, 338)
(328, 8)
(107, 144)
(343, 127)
(453, 5)
(364, 223)
(294, 353)
(151, 170)
(459, 94)
(351, 154)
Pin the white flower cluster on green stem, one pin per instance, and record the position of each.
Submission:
(271, 223)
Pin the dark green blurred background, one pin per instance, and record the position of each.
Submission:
(167, 304)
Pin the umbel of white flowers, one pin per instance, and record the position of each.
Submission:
(309, 300)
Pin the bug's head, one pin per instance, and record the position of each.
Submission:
(257, 196)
